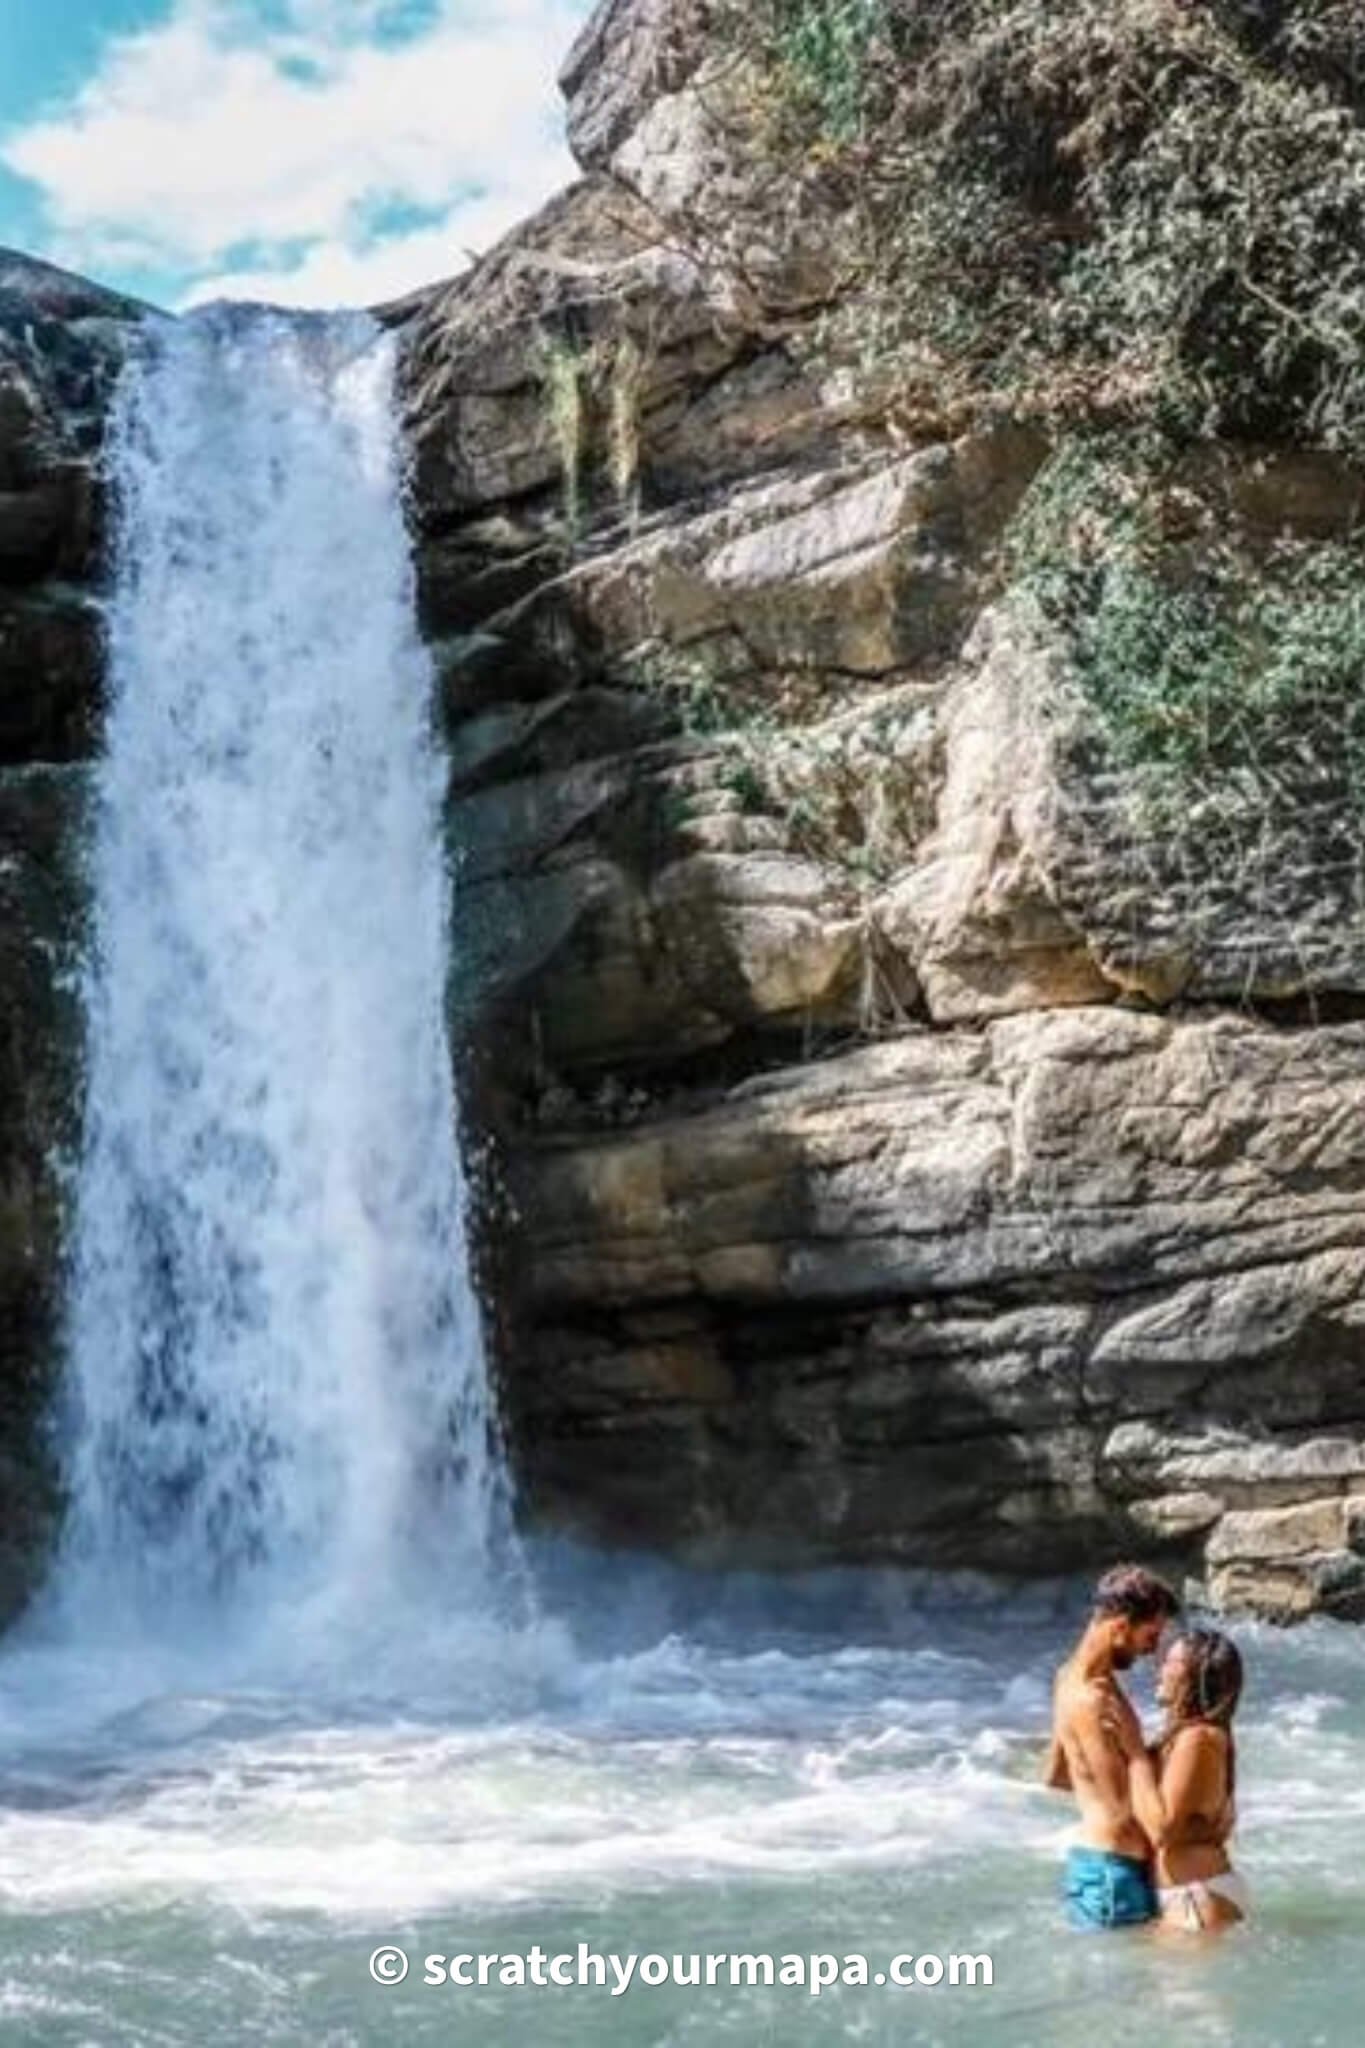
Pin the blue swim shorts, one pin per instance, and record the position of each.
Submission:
(1104, 1890)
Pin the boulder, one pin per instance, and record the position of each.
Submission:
(626, 55)
(1286, 1563)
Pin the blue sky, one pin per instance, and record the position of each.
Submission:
(311, 152)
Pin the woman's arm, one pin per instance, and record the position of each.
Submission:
(1188, 1783)
(1144, 1781)
(1149, 1807)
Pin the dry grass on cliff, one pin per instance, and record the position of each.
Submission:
(1117, 208)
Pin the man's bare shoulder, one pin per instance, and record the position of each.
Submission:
(1074, 1691)
(1088, 1711)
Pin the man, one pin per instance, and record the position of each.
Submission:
(1108, 1867)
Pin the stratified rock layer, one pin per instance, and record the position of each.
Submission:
(1083, 1278)
(894, 1155)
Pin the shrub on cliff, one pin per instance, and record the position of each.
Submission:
(1224, 666)
(1141, 223)
(1115, 208)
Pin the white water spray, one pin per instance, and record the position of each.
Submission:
(276, 1386)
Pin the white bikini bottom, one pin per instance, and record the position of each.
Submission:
(1193, 1901)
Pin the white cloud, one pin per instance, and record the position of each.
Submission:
(304, 155)
(332, 273)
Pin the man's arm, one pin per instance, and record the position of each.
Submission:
(1056, 1769)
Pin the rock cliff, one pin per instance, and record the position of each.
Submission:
(906, 752)
(922, 1080)
(61, 342)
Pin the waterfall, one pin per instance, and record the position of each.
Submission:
(275, 1387)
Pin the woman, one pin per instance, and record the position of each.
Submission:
(1183, 1788)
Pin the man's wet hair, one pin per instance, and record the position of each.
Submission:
(1136, 1594)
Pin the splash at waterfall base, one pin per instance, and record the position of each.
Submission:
(199, 1854)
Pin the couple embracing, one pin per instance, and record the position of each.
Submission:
(1154, 1820)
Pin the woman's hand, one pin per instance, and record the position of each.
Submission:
(1123, 1729)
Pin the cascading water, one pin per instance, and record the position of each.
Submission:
(276, 1385)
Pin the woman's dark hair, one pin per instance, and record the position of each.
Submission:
(1211, 1677)
(1135, 1593)
(1210, 1687)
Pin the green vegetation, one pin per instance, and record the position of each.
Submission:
(625, 385)
(824, 48)
(592, 395)
(1140, 224)
(1226, 673)
(1113, 209)
(564, 371)
(849, 789)
(690, 681)
(743, 776)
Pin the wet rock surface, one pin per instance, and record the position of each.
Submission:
(62, 343)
